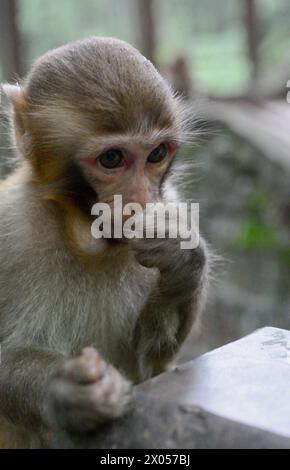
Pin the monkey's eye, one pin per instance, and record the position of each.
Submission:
(158, 154)
(112, 158)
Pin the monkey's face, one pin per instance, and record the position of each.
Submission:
(95, 119)
(132, 168)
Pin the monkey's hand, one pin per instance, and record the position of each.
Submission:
(84, 392)
(174, 305)
(181, 270)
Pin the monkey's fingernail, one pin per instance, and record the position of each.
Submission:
(93, 370)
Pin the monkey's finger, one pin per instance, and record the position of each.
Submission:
(87, 368)
(111, 394)
(111, 389)
(95, 358)
(81, 408)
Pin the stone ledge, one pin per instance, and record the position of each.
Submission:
(233, 397)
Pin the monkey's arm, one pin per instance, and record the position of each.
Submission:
(24, 378)
(175, 304)
(43, 390)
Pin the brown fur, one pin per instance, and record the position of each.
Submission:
(132, 302)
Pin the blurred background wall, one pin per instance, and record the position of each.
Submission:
(225, 42)
(233, 58)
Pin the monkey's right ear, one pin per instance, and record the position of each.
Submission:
(18, 101)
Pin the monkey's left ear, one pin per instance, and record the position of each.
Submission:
(18, 101)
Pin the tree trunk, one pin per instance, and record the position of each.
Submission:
(10, 56)
(250, 22)
(146, 27)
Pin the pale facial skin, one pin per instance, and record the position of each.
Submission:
(133, 170)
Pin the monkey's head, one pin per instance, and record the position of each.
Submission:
(96, 119)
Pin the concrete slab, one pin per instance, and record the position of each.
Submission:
(247, 381)
(236, 396)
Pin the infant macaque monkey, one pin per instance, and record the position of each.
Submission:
(82, 319)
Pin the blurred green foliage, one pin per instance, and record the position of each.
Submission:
(285, 255)
(45, 25)
(260, 230)
(256, 231)
(255, 235)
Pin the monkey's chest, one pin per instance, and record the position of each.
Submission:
(109, 312)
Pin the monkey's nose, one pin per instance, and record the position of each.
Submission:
(142, 198)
